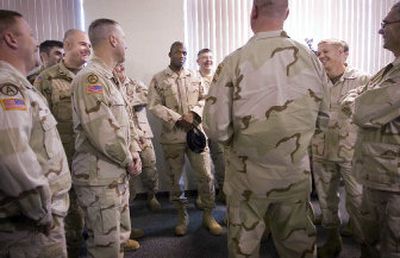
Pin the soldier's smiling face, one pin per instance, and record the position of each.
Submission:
(78, 47)
(205, 61)
(331, 56)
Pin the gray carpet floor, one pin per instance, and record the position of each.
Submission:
(159, 240)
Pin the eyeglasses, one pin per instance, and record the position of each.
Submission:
(385, 23)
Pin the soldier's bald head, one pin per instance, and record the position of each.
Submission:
(101, 29)
(272, 8)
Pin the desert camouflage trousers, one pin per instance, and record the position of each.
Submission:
(291, 228)
(21, 240)
(149, 175)
(381, 221)
(107, 218)
(217, 156)
(327, 176)
(201, 164)
(74, 225)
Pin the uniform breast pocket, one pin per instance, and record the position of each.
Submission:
(381, 161)
(194, 97)
(51, 137)
(170, 98)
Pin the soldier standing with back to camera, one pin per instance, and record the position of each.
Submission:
(105, 156)
(264, 108)
(55, 84)
(35, 178)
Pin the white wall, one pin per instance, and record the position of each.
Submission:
(150, 27)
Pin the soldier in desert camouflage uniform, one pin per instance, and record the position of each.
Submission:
(176, 97)
(51, 52)
(265, 108)
(205, 61)
(35, 177)
(377, 114)
(136, 95)
(333, 150)
(55, 84)
(105, 156)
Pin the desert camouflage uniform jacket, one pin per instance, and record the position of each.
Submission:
(377, 113)
(266, 107)
(35, 177)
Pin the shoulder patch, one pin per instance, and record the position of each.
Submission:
(92, 78)
(13, 104)
(9, 89)
(94, 89)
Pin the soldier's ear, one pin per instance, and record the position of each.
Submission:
(10, 39)
(113, 40)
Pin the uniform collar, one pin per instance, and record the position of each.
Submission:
(171, 73)
(5, 66)
(102, 67)
(62, 69)
(270, 34)
(396, 62)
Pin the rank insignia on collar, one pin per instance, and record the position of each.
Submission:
(9, 89)
(92, 78)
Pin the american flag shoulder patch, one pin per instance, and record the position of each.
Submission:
(94, 89)
(10, 104)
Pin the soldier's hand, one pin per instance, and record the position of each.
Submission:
(188, 117)
(135, 168)
(46, 225)
(184, 124)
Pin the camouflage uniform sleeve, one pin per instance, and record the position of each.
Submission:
(42, 83)
(378, 106)
(23, 184)
(94, 104)
(347, 102)
(323, 113)
(158, 108)
(217, 114)
(199, 107)
(141, 94)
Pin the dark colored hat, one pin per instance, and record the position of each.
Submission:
(196, 140)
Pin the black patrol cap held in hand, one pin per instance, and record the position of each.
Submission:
(196, 140)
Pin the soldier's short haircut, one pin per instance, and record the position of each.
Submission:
(272, 8)
(337, 43)
(204, 50)
(69, 33)
(100, 29)
(396, 7)
(48, 45)
(176, 44)
(7, 19)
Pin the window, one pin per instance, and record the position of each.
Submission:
(223, 26)
(49, 19)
